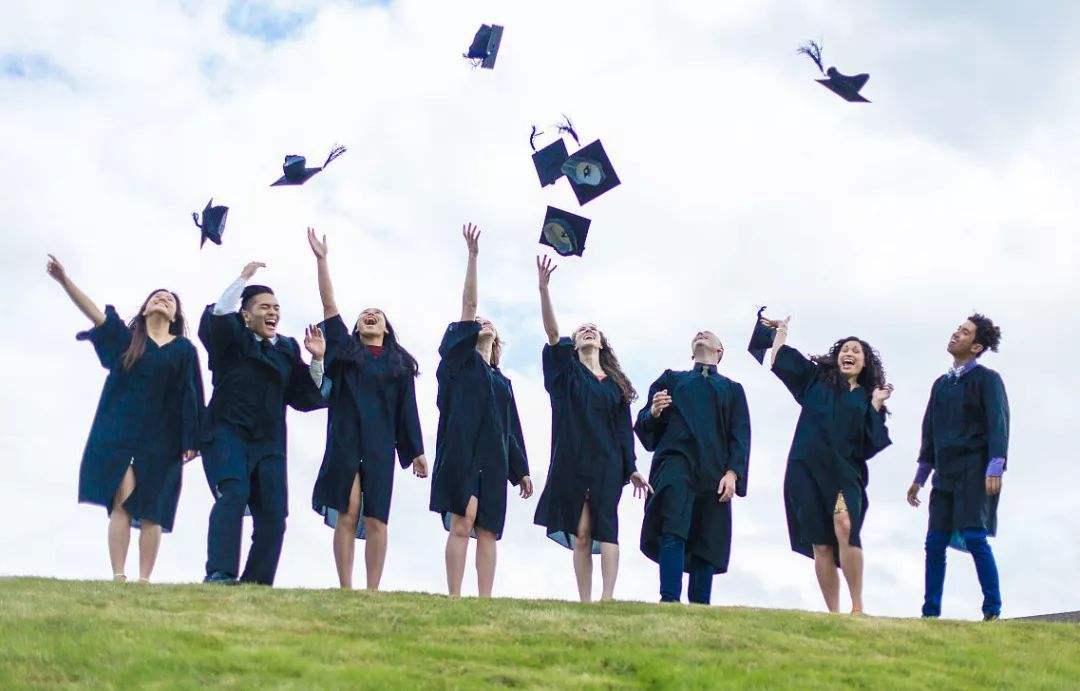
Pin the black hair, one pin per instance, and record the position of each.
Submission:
(872, 375)
(986, 333)
(137, 326)
(402, 363)
(250, 292)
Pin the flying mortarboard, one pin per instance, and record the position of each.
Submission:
(564, 232)
(296, 170)
(549, 160)
(213, 222)
(844, 86)
(761, 339)
(485, 46)
(590, 172)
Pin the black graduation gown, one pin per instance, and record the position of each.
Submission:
(372, 413)
(703, 433)
(966, 424)
(252, 388)
(479, 446)
(592, 449)
(146, 417)
(837, 433)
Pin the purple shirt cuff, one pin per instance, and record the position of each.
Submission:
(996, 467)
(922, 473)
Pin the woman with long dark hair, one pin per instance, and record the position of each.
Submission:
(146, 424)
(840, 428)
(592, 445)
(479, 446)
(372, 414)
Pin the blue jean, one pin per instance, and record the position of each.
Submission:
(937, 541)
(672, 565)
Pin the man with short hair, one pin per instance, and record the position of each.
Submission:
(698, 426)
(256, 373)
(965, 439)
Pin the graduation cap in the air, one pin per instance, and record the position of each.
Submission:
(549, 160)
(844, 86)
(296, 170)
(485, 45)
(590, 172)
(564, 232)
(762, 338)
(213, 222)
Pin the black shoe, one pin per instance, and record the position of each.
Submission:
(220, 578)
(991, 617)
(931, 616)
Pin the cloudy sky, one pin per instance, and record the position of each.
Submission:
(744, 183)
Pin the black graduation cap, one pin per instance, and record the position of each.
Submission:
(590, 172)
(485, 45)
(564, 232)
(762, 338)
(296, 170)
(549, 160)
(213, 222)
(844, 86)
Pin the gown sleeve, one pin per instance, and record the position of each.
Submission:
(218, 332)
(795, 370)
(302, 394)
(110, 339)
(648, 428)
(625, 430)
(927, 457)
(458, 344)
(191, 400)
(739, 438)
(337, 336)
(518, 460)
(996, 405)
(876, 435)
(409, 439)
(557, 360)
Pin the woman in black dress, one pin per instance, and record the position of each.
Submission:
(147, 418)
(841, 427)
(372, 415)
(479, 447)
(592, 445)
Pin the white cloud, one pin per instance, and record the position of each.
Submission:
(743, 182)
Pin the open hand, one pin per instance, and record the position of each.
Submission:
(726, 488)
(419, 466)
(525, 487)
(778, 324)
(315, 342)
(642, 488)
(545, 268)
(660, 401)
(472, 238)
(317, 246)
(913, 494)
(250, 268)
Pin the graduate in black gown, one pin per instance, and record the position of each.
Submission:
(592, 445)
(965, 443)
(146, 424)
(257, 374)
(698, 425)
(840, 428)
(479, 446)
(372, 414)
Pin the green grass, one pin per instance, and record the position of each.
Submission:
(100, 634)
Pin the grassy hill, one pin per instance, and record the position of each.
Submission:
(102, 634)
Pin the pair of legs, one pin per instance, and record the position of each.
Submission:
(120, 534)
(263, 491)
(937, 541)
(457, 550)
(375, 539)
(672, 565)
(851, 562)
(583, 561)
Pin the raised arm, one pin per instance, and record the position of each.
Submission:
(326, 288)
(780, 337)
(545, 268)
(469, 297)
(54, 268)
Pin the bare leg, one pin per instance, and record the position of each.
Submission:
(457, 547)
(827, 577)
(583, 555)
(609, 569)
(345, 537)
(485, 561)
(374, 551)
(851, 561)
(149, 541)
(120, 525)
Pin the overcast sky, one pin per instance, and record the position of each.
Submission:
(744, 183)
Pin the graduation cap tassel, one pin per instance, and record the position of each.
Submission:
(334, 153)
(532, 137)
(195, 217)
(568, 128)
(812, 50)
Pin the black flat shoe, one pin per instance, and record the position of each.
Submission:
(991, 617)
(220, 578)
